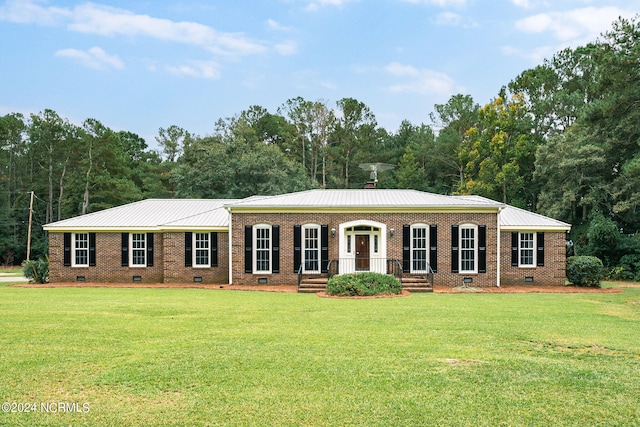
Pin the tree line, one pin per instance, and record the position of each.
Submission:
(561, 139)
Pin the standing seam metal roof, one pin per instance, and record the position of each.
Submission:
(153, 213)
(205, 213)
(363, 198)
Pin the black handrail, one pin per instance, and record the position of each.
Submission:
(299, 276)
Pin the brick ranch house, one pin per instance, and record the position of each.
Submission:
(305, 237)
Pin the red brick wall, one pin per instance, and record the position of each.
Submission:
(176, 272)
(108, 262)
(286, 221)
(168, 262)
(553, 272)
(169, 252)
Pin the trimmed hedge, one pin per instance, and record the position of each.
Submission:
(363, 284)
(584, 270)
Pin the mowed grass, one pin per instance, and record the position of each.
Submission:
(167, 357)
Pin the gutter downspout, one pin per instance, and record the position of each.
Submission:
(499, 251)
(230, 246)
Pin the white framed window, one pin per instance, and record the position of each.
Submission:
(201, 249)
(526, 250)
(262, 248)
(311, 248)
(80, 250)
(138, 250)
(419, 248)
(468, 248)
(348, 243)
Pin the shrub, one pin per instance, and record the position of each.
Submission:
(584, 270)
(36, 270)
(363, 284)
(629, 267)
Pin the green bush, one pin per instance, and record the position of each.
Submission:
(363, 284)
(629, 267)
(36, 270)
(584, 270)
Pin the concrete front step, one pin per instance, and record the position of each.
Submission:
(427, 288)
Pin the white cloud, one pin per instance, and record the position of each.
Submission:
(441, 3)
(286, 48)
(197, 69)
(449, 18)
(275, 25)
(535, 56)
(93, 18)
(419, 81)
(108, 21)
(455, 20)
(574, 26)
(328, 85)
(95, 58)
(402, 70)
(26, 12)
(315, 5)
(522, 3)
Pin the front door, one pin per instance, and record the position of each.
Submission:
(362, 252)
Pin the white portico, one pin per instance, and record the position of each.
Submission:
(362, 246)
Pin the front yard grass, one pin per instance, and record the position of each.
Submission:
(165, 357)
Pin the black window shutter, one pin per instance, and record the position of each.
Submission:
(324, 248)
(92, 249)
(540, 254)
(433, 247)
(125, 249)
(149, 249)
(514, 248)
(406, 248)
(214, 249)
(275, 249)
(248, 251)
(482, 249)
(67, 249)
(188, 249)
(297, 247)
(455, 248)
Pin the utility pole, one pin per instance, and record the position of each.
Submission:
(29, 232)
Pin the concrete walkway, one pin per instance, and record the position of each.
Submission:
(11, 277)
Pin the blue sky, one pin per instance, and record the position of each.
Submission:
(142, 65)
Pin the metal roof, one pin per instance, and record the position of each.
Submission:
(367, 199)
(175, 214)
(152, 213)
(512, 218)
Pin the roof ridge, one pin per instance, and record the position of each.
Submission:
(195, 214)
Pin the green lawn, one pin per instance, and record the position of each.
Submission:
(164, 357)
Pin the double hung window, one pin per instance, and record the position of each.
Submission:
(468, 249)
(527, 250)
(201, 245)
(138, 250)
(81, 250)
(262, 248)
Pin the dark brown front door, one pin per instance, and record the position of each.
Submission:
(362, 252)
